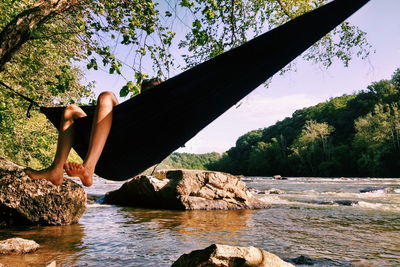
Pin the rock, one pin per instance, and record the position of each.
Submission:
(383, 190)
(17, 246)
(362, 263)
(345, 202)
(278, 177)
(94, 198)
(24, 201)
(160, 174)
(186, 190)
(303, 260)
(274, 191)
(6, 165)
(228, 256)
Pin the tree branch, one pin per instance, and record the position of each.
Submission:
(19, 30)
(232, 18)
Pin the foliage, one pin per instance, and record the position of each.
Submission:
(43, 71)
(219, 25)
(351, 135)
(29, 141)
(101, 28)
(188, 161)
(377, 139)
(312, 146)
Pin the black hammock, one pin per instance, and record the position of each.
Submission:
(150, 126)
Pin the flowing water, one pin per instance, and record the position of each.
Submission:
(335, 222)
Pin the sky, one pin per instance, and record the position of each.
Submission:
(308, 85)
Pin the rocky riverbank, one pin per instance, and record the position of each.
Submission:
(24, 201)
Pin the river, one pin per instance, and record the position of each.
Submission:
(334, 221)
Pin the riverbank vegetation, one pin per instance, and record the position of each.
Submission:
(189, 161)
(350, 135)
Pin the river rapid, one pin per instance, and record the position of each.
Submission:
(333, 221)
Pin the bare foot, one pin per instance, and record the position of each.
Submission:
(54, 175)
(78, 170)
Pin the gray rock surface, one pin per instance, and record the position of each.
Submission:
(24, 201)
(227, 256)
(186, 190)
(17, 246)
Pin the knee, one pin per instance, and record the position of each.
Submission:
(73, 111)
(72, 107)
(107, 98)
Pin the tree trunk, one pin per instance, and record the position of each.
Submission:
(18, 31)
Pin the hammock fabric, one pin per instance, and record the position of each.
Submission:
(150, 126)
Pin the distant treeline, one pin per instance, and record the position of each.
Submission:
(189, 161)
(350, 135)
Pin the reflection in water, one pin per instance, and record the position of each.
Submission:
(223, 224)
(57, 243)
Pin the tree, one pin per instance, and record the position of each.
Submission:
(30, 141)
(257, 162)
(267, 158)
(220, 25)
(312, 146)
(43, 71)
(91, 22)
(213, 26)
(396, 79)
(350, 135)
(189, 161)
(378, 139)
(21, 28)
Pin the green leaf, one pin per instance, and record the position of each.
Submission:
(124, 91)
(186, 3)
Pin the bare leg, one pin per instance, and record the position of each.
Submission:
(101, 128)
(55, 173)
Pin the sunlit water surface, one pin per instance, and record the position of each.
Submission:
(335, 222)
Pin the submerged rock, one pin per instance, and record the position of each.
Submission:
(186, 190)
(278, 177)
(383, 190)
(303, 260)
(24, 201)
(345, 202)
(228, 256)
(274, 191)
(17, 246)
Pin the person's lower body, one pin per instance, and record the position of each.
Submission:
(100, 129)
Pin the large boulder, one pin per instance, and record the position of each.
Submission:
(186, 190)
(24, 201)
(228, 256)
